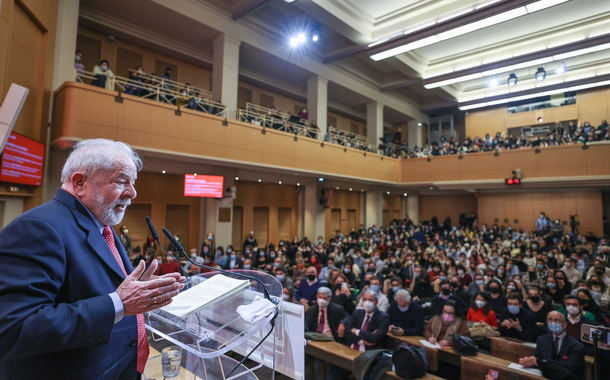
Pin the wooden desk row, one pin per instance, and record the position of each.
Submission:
(343, 356)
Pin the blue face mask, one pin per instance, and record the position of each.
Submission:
(78, 58)
(280, 277)
(229, 250)
(539, 266)
(555, 328)
(443, 278)
(513, 309)
(272, 256)
(233, 257)
(403, 309)
(276, 264)
(347, 270)
(375, 288)
(550, 285)
(210, 238)
(396, 289)
(479, 282)
(247, 266)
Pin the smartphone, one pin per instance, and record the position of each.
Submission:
(344, 285)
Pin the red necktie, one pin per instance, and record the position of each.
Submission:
(143, 348)
(366, 323)
(321, 322)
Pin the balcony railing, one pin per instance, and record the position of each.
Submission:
(162, 90)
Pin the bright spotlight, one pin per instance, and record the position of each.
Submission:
(493, 82)
(512, 80)
(315, 38)
(561, 69)
(301, 38)
(294, 42)
(315, 32)
(540, 74)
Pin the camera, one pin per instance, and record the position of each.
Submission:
(111, 39)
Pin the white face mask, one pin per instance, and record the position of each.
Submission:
(480, 304)
(369, 306)
(285, 297)
(322, 302)
(573, 310)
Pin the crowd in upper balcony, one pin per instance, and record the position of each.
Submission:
(572, 134)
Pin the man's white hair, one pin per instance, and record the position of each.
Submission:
(403, 294)
(97, 155)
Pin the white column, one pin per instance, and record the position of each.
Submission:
(413, 206)
(223, 231)
(65, 42)
(415, 134)
(374, 123)
(225, 73)
(374, 207)
(317, 103)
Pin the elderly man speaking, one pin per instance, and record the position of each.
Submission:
(71, 303)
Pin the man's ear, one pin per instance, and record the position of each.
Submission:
(78, 181)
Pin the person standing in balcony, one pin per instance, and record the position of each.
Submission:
(167, 77)
(102, 75)
(79, 67)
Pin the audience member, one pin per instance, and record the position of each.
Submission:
(78, 66)
(443, 326)
(307, 290)
(102, 74)
(406, 317)
(481, 310)
(516, 322)
(368, 327)
(557, 347)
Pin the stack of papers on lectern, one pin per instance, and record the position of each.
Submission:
(193, 299)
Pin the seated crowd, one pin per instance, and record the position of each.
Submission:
(162, 88)
(572, 134)
(436, 280)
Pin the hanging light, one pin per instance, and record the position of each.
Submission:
(540, 74)
(512, 80)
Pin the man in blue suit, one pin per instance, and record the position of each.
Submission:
(558, 347)
(72, 304)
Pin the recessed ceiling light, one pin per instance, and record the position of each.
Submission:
(362, 190)
(350, 189)
(388, 193)
(280, 182)
(260, 180)
(163, 171)
(431, 187)
(195, 174)
(493, 82)
(405, 194)
(237, 178)
(337, 187)
(298, 184)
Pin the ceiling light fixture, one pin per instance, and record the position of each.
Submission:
(316, 32)
(540, 74)
(260, 180)
(405, 194)
(561, 68)
(279, 183)
(535, 95)
(388, 193)
(512, 80)
(493, 82)
(237, 178)
(163, 171)
(468, 28)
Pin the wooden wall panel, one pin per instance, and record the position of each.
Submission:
(526, 207)
(238, 227)
(135, 221)
(273, 196)
(162, 192)
(593, 106)
(260, 225)
(443, 205)
(284, 223)
(343, 203)
(177, 221)
(479, 123)
(393, 205)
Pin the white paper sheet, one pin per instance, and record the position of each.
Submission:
(519, 367)
(428, 344)
(203, 293)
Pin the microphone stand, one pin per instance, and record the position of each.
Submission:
(155, 236)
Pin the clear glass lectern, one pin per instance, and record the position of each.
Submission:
(207, 334)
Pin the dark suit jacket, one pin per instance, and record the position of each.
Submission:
(527, 320)
(336, 315)
(571, 353)
(56, 318)
(238, 264)
(376, 332)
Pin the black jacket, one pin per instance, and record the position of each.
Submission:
(336, 315)
(437, 306)
(376, 332)
(571, 353)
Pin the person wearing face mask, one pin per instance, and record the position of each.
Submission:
(542, 224)
(598, 287)
(190, 268)
(391, 286)
(250, 240)
(306, 293)
(328, 319)
(478, 285)
(599, 269)
(342, 295)
(558, 347)
(323, 277)
(103, 75)
(497, 299)
(481, 310)
(445, 324)
(368, 327)
(406, 317)
(382, 300)
(445, 295)
(349, 274)
(78, 66)
(232, 262)
(516, 322)
(553, 292)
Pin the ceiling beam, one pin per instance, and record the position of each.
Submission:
(466, 19)
(248, 8)
(583, 44)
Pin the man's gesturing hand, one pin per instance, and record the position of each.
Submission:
(141, 296)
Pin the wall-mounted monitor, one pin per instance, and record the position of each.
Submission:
(22, 161)
(204, 186)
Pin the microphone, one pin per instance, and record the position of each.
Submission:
(178, 246)
(155, 235)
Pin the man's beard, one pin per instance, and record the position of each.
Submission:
(106, 214)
